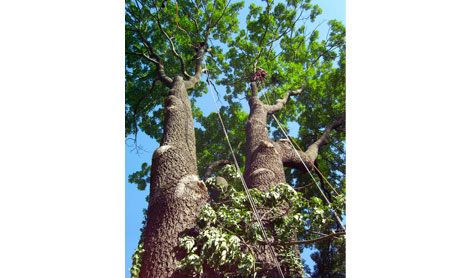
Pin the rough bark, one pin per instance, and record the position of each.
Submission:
(312, 150)
(176, 192)
(266, 159)
(291, 159)
(263, 166)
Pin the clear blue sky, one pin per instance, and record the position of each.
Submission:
(135, 199)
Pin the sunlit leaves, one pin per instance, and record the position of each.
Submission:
(142, 177)
(186, 23)
(282, 38)
(228, 231)
(137, 260)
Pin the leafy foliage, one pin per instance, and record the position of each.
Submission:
(137, 260)
(227, 230)
(283, 39)
(142, 177)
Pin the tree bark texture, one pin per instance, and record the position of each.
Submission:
(266, 159)
(176, 192)
(264, 164)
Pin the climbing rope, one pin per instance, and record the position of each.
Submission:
(245, 187)
(305, 165)
(298, 147)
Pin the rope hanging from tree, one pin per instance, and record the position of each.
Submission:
(245, 186)
(305, 165)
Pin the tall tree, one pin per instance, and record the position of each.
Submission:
(169, 46)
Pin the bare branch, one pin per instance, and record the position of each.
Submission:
(180, 58)
(159, 62)
(281, 102)
(313, 149)
(223, 13)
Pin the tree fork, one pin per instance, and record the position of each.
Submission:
(263, 166)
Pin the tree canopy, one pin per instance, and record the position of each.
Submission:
(164, 40)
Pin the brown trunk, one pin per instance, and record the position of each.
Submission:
(176, 193)
(263, 168)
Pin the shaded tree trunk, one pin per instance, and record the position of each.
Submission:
(176, 192)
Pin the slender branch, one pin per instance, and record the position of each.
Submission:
(144, 56)
(206, 32)
(268, 8)
(281, 102)
(322, 182)
(201, 51)
(188, 14)
(333, 234)
(223, 13)
(271, 42)
(159, 62)
(180, 58)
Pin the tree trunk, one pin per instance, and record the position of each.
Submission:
(263, 168)
(176, 192)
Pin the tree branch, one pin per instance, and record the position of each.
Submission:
(223, 13)
(281, 102)
(215, 164)
(333, 234)
(159, 62)
(291, 159)
(197, 76)
(260, 43)
(180, 58)
(313, 149)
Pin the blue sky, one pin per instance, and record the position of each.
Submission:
(62, 198)
(135, 199)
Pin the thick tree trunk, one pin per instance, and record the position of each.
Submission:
(176, 192)
(263, 167)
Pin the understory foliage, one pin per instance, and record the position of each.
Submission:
(227, 230)
(283, 38)
(137, 260)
